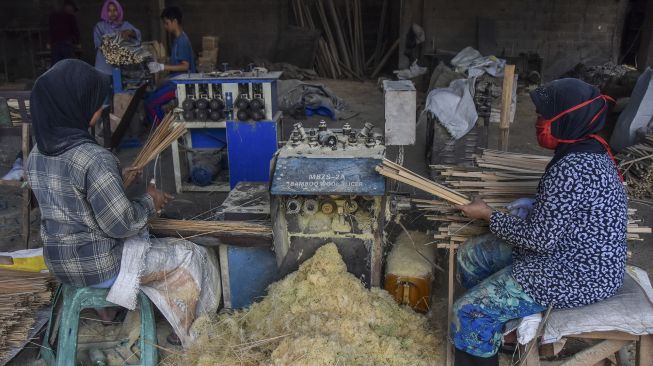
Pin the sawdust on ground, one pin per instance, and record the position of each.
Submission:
(319, 315)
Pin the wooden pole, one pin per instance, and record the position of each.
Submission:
(27, 192)
(385, 59)
(506, 104)
(339, 36)
(379, 34)
(450, 290)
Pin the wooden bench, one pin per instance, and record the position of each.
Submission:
(602, 352)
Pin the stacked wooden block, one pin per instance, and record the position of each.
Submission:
(209, 54)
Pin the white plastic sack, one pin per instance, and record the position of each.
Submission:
(413, 71)
(474, 64)
(637, 117)
(454, 106)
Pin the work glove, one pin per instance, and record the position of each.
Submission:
(521, 207)
(155, 67)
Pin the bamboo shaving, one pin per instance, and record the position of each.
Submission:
(318, 315)
(410, 257)
(164, 135)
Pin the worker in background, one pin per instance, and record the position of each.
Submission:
(181, 60)
(64, 33)
(112, 22)
(86, 218)
(564, 248)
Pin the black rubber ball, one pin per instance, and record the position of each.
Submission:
(202, 115)
(242, 103)
(242, 115)
(202, 103)
(189, 115)
(216, 104)
(188, 104)
(215, 115)
(257, 103)
(258, 115)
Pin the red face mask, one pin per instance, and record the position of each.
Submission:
(545, 137)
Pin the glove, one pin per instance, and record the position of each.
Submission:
(521, 207)
(155, 67)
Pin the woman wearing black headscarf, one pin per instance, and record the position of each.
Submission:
(86, 218)
(84, 210)
(563, 249)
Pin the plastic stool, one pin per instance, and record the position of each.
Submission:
(74, 300)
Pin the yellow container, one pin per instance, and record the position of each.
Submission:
(30, 260)
(412, 291)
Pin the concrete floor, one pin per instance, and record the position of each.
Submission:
(365, 99)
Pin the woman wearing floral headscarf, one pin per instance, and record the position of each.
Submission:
(112, 22)
(564, 248)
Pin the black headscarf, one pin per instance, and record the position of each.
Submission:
(62, 103)
(556, 97)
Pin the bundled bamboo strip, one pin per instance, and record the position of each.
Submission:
(22, 294)
(498, 178)
(247, 233)
(162, 137)
(636, 164)
(399, 173)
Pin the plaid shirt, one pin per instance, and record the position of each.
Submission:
(84, 212)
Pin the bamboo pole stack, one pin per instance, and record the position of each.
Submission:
(636, 164)
(397, 172)
(341, 49)
(162, 137)
(22, 294)
(498, 178)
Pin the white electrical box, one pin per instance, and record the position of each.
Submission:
(400, 112)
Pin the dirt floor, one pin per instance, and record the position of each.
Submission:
(365, 103)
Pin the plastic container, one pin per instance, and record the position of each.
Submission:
(412, 291)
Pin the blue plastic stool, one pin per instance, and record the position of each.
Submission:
(75, 299)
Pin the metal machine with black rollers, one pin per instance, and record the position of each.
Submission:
(325, 189)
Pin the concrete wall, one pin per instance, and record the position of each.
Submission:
(563, 32)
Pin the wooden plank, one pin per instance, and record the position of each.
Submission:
(506, 103)
(645, 351)
(596, 353)
(533, 356)
(614, 335)
(27, 192)
(450, 288)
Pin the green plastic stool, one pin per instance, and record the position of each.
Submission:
(74, 300)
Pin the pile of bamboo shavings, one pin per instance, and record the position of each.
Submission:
(499, 178)
(162, 137)
(318, 315)
(115, 54)
(22, 294)
(397, 172)
(636, 164)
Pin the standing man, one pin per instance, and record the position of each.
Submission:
(64, 32)
(181, 60)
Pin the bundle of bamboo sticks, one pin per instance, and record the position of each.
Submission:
(22, 294)
(341, 50)
(162, 137)
(498, 178)
(636, 164)
(399, 173)
(256, 232)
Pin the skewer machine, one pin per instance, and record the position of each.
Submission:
(324, 189)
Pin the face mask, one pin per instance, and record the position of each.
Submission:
(545, 137)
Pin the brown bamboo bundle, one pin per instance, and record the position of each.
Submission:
(251, 233)
(399, 173)
(22, 294)
(498, 178)
(162, 137)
